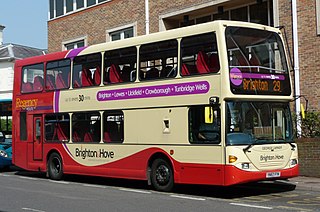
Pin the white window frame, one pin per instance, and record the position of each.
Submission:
(74, 8)
(162, 26)
(121, 28)
(318, 16)
(84, 38)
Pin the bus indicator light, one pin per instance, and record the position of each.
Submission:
(171, 151)
(232, 158)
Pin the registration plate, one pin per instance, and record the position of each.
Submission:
(273, 174)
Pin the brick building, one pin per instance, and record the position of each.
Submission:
(76, 23)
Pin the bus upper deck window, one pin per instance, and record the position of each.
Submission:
(32, 78)
(199, 54)
(158, 60)
(120, 65)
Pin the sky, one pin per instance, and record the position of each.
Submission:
(25, 22)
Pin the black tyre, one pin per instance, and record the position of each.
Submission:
(162, 175)
(55, 169)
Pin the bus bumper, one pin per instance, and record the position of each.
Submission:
(234, 175)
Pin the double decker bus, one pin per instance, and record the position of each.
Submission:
(205, 104)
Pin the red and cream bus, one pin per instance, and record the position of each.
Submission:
(205, 104)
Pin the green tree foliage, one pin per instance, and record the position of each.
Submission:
(310, 125)
(3, 126)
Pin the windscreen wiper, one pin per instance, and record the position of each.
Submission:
(293, 147)
(247, 149)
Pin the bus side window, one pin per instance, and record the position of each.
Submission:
(58, 74)
(57, 127)
(199, 54)
(120, 65)
(158, 60)
(201, 130)
(86, 127)
(113, 129)
(32, 78)
(86, 70)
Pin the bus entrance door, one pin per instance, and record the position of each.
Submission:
(37, 138)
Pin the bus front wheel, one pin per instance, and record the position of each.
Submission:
(162, 175)
(55, 170)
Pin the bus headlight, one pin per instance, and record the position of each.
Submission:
(293, 162)
(3, 154)
(245, 166)
(232, 158)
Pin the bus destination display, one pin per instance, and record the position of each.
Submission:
(259, 83)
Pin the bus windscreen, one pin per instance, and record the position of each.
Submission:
(257, 62)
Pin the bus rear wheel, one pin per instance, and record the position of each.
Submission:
(55, 169)
(162, 175)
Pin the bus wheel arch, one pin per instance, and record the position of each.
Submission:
(54, 166)
(160, 172)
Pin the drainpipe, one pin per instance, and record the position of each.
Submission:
(296, 64)
(146, 3)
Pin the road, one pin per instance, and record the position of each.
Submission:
(33, 192)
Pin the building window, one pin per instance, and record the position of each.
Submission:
(51, 5)
(256, 12)
(259, 13)
(121, 34)
(80, 4)
(91, 2)
(69, 5)
(240, 14)
(59, 8)
(74, 45)
(318, 16)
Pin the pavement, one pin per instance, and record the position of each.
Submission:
(304, 183)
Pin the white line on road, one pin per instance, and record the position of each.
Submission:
(4, 175)
(31, 209)
(59, 182)
(134, 190)
(94, 186)
(251, 206)
(186, 197)
(28, 178)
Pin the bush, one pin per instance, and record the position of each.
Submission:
(310, 125)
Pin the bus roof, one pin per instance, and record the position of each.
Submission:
(143, 39)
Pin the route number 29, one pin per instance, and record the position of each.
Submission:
(276, 85)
